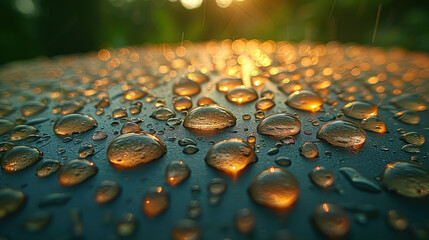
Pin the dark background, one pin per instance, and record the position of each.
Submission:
(31, 28)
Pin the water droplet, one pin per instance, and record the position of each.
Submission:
(36, 221)
(273, 151)
(331, 221)
(413, 138)
(190, 149)
(127, 225)
(275, 188)
(374, 124)
(68, 107)
(54, 199)
(408, 102)
(11, 201)
(322, 177)
(342, 133)
(396, 221)
(99, 135)
(283, 161)
(289, 87)
(407, 179)
(107, 191)
(267, 94)
(410, 148)
(21, 132)
(359, 110)
(76, 171)
(205, 101)
(227, 84)
(194, 209)
(73, 123)
(408, 117)
(279, 125)
(6, 126)
(251, 139)
(209, 118)
(85, 151)
(217, 186)
(176, 172)
(163, 114)
(246, 117)
(159, 102)
(119, 113)
(244, 221)
(305, 100)
(132, 149)
(134, 94)
(186, 229)
(135, 108)
(173, 122)
(186, 87)
(47, 167)
(182, 103)
(186, 141)
(5, 110)
(130, 127)
(264, 104)
(198, 77)
(309, 150)
(326, 117)
(359, 181)
(231, 156)
(32, 108)
(155, 201)
(19, 158)
(240, 95)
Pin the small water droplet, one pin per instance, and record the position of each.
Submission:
(19, 158)
(47, 167)
(119, 113)
(217, 186)
(396, 221)
(99, 135)
(205, 101)
(36, 221)
(408, 117)
(11, 201)
(54, 199)
(283, 161)
(127, 225)
(186, 229)
(182, 103)
(240, 95)
(163, 114)
(359, 110)
(186, 87)
(194, 209)
(415, 138)
(21, 132)
(134, 94)
(374, 124)
(209, 118)
(244, 221)
(359, 181)
(264, 104)
(227, 84)
(410, 148)
(309, 150)
(190, 149)
(85, 151)
(130, 127)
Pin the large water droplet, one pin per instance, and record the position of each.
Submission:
(359, 181)
(305, 100)
(186, 229)
(359, 110)
(279, 125)
(342, 133)
(240, 95)
(409, 102)
(107, 191)
(132, 149)
(415, 138)
(11, 201)
(163, 114)
(155, 201)
(209, 118)
(47, 167)
(227, 84)
(76, 171)
(322, 177)
(244, 221)
(309, 150)
(186, 87)
(275, 188)
(331, 221)
(21, 132)
(6, 126)
(20, 157)
(73, 123)
(32, 108)
(407, 179)
(231, 156)
(176, 172)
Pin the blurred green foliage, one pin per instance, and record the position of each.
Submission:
(31, 28)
